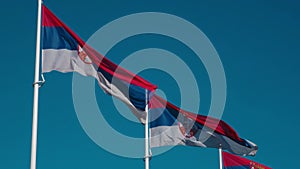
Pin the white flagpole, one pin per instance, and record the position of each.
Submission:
(147, 156)
(220, 157)
(36, 86)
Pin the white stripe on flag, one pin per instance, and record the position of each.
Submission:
(171, 135)
(64, 60)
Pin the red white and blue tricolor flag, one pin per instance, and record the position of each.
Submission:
(64, 51)
(170, 125)
(231, 161)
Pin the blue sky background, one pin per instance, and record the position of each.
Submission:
(257, 41)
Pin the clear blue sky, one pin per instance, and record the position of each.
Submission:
(258, 44)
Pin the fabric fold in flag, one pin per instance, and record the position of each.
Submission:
(64, 51)
(170, 125)
(231, 161)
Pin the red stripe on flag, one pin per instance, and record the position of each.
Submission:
(50, 20)
(231, 160)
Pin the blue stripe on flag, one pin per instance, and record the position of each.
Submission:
(164, 118)
(136, 94)
(58, 38)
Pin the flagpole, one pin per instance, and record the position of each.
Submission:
(146, 133)
(36, 86)
(220, 157)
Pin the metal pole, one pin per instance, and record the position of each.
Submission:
(36, 86)
(146, 133)
(220, 157)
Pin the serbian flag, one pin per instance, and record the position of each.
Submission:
(170, 125)
(235, 162)
(64, 51)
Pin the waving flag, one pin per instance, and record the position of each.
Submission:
(64, 51)
(235, 162)
(170, 125)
